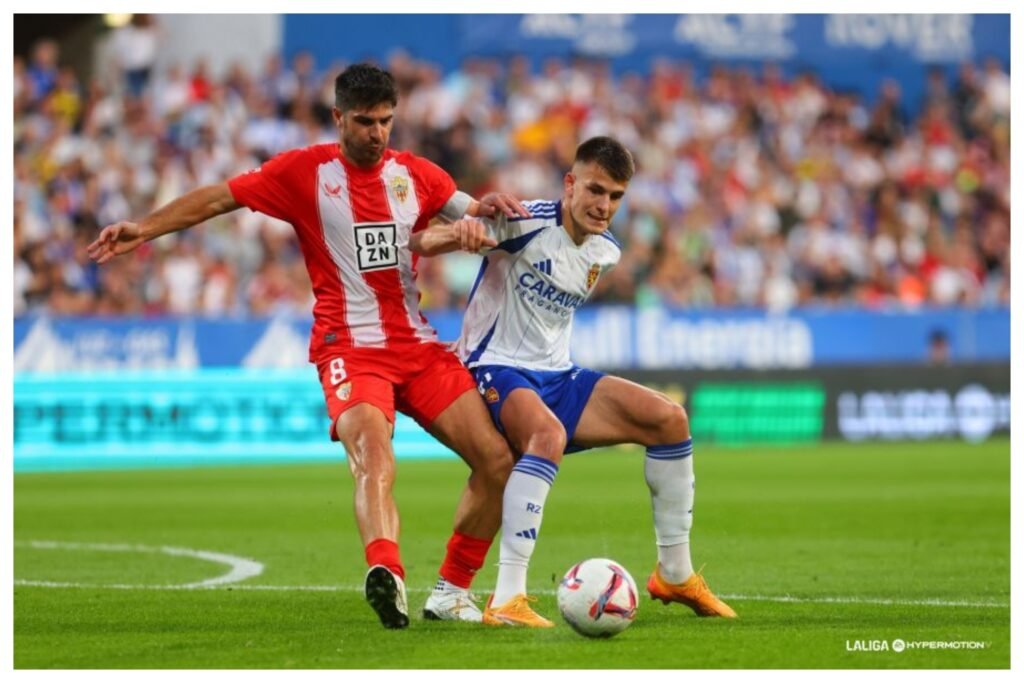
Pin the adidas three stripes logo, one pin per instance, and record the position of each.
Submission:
(530, 533)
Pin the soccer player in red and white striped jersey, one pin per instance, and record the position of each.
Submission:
(354, 206)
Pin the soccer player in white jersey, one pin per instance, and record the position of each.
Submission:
(515, 340)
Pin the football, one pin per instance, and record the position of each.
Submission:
(598, 598)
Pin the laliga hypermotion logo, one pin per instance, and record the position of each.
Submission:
(400, 186)
(595, 270)
(604, 605)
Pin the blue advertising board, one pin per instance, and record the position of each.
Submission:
(853, 52)
(608, 337)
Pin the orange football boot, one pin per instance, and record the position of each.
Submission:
(694, 593)
(515, 612)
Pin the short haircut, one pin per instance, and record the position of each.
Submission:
(364, 86)
(610, 155)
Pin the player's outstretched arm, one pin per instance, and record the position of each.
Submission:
(441, 238)
(190, 209)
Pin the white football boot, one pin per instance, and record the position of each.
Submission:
(451, 604)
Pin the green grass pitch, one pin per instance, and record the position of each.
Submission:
(820, 549)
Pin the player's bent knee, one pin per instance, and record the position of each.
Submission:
(548, 442)
(676, 423)
(665, 423)
(500, 464)
(495, 462)
(497, 472)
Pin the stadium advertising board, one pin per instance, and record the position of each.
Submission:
(157, 419)
(968, 402)
(147, 419)
(603, 337)
(854, 52)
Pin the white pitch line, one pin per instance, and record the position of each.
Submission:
(925, 602)
(241, 567)
(838, 600)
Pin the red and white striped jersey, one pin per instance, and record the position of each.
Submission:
(353, 226)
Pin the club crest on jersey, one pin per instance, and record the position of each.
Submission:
(595, 271)
(344, 391)
(491, 395)
(400, 186)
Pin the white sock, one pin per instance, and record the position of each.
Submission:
(669, 474)
(522, 512)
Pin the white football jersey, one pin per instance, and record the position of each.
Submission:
(521, 307)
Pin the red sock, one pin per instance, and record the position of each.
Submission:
(465, 556)
(385, 551)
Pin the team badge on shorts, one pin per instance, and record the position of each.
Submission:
(344, 391)
(400, 186)
(491, 395)
(595, 270)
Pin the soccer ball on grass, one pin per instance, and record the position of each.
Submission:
(597, 597)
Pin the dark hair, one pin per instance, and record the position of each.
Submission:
(364, 86)
(610, 155)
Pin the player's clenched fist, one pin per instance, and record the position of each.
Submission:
(114, 240)
(472, 235)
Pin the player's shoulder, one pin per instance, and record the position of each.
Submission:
(546, 210)
(313, 154)
(543, 214)
(605, 248)
(609, 241)
(414, 162)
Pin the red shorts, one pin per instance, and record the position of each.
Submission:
(420, 381)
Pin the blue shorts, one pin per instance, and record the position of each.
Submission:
(565, 392)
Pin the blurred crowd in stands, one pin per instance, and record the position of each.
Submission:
(752, 190)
